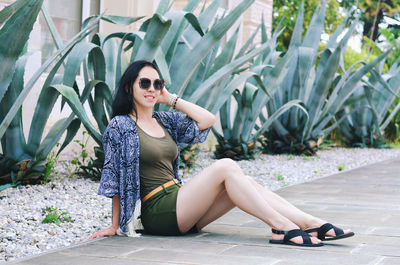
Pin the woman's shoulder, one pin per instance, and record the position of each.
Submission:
(121, 123)
(119, 119)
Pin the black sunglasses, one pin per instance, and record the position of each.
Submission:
(145, 83)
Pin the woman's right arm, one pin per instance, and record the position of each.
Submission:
(112, 230)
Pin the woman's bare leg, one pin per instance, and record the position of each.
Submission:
(304, 220)
(223, 204)
(220, 206)
(199, 194)
(300, 218)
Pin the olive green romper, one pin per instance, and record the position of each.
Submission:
(156, 159)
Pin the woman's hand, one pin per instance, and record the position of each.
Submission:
(164, 96)
(109, 231)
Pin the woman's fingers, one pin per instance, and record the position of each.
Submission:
(101, 233)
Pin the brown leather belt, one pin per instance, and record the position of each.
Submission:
(159, 188)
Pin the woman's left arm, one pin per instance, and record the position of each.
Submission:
(203, 117)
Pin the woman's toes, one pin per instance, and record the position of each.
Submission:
(297, 240)
(347, 231)
(315, 240)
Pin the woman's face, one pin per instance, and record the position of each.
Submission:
(146, 98)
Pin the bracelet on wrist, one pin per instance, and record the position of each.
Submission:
(172, 99)
(176, 100)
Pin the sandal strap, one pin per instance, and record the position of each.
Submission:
(326, 227)
(298, 232)
(278, 232)
(293, 233)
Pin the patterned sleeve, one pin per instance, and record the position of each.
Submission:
(109, 182)
(188, 129)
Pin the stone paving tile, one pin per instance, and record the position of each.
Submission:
(60, 259)
(374, 239)
(362, 209)
(183, 244)
(195, 258)
(392, 220)
(384, 231)
(235, 234)
(377, 249)
(301, 255)
(389, 261)
(359, 219)
(96, 250)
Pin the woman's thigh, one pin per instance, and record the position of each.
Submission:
(197, 195)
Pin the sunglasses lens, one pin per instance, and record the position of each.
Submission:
(144, 83)
(158, 84)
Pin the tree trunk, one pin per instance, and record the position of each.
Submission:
(369, 25)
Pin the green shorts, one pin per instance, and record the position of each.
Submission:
(159, 213)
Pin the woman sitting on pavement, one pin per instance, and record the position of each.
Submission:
(140, 172)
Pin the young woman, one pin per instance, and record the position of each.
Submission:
(140, 171)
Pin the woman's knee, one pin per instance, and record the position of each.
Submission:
(227, 166)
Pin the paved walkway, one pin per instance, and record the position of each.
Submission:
(366, 200)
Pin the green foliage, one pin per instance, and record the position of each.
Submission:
(319, 87)
(351, 57)
(340, 167)
(280, 178)
(54, 215)
(372, 13)
(395, 145)
(390, 38)
(83, 144)
(185, 49)
(368, 114)
(288, 11)
(241, 133)
(392, 131)
(15, 181)
(82, 164)
(310, 158)
(50, 166)
(27, 159)
(187, 157)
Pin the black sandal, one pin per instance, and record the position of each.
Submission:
(291, 234)
(323, 229)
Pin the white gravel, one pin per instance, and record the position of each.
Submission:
(22, 232)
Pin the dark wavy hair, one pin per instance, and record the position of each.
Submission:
(123, 103)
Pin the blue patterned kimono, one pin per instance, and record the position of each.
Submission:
(120, 175)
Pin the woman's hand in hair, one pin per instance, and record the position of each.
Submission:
(164, 96)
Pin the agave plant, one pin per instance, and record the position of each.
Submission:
(365, 126)
(19, 18)
(319, 86)
(25, 160)
(238, 138)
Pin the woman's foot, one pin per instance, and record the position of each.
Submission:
(294, 237)
(298, 240)
(326, 231)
